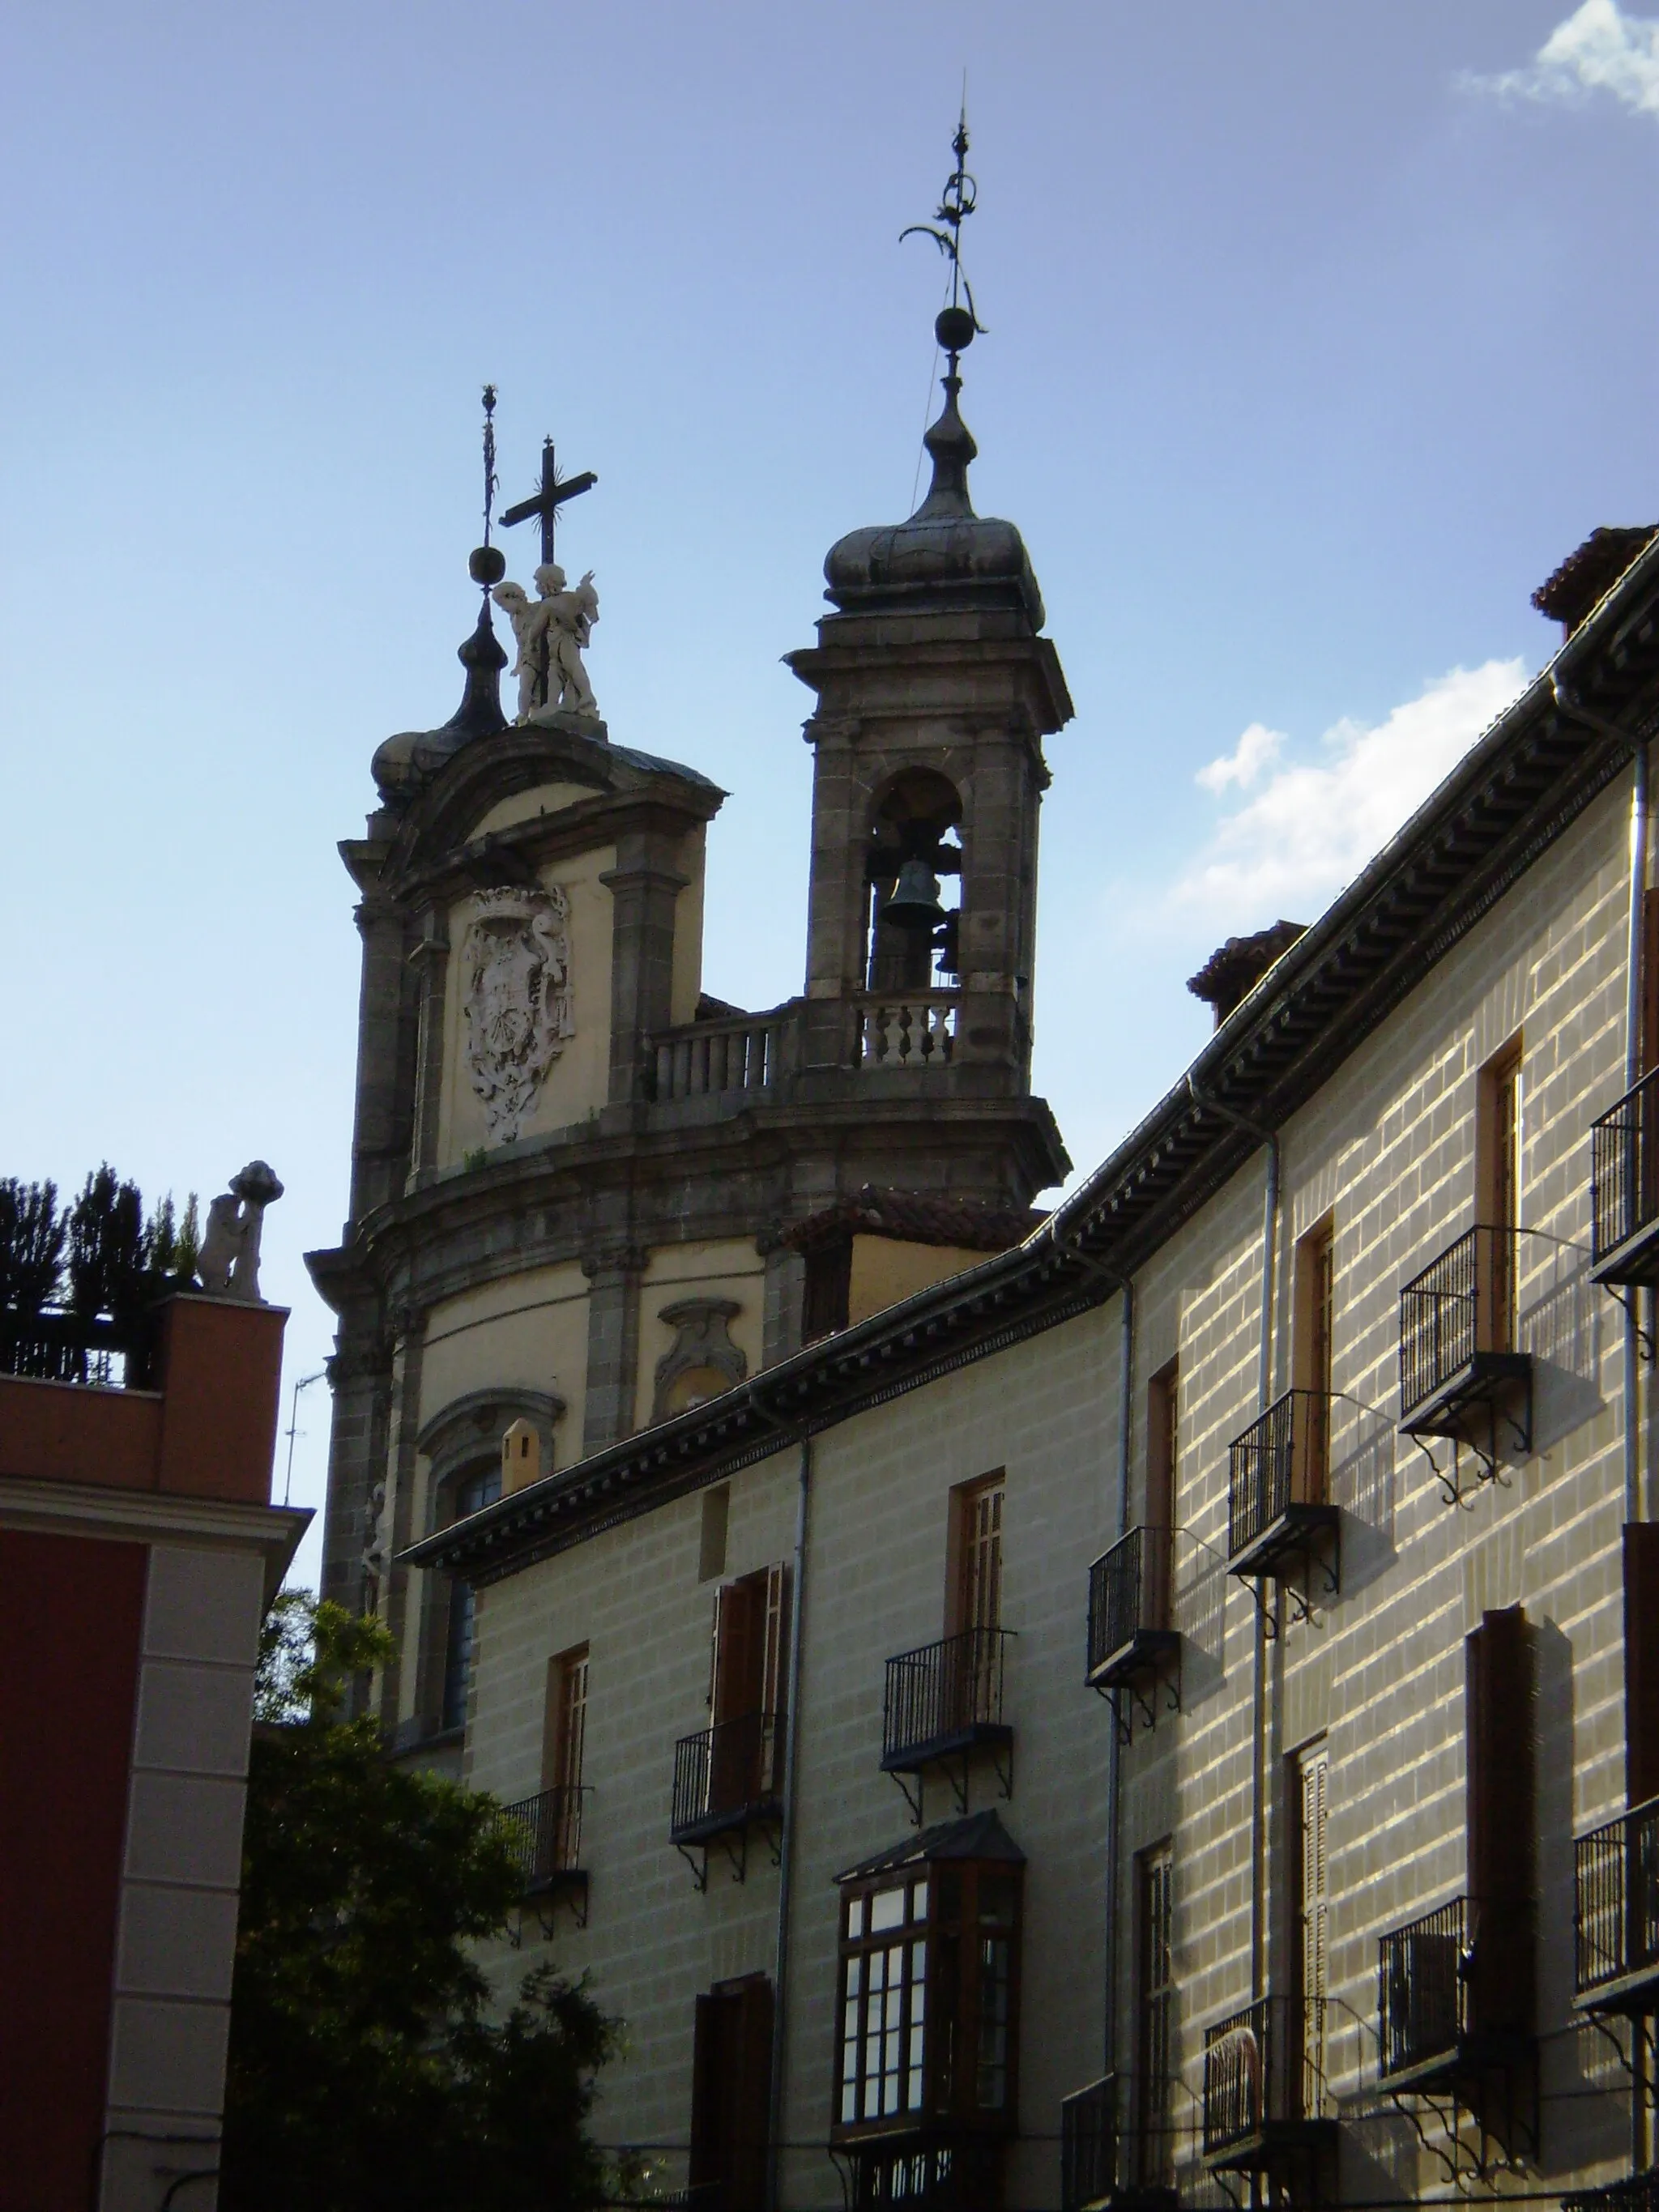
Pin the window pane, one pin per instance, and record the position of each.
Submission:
(848, 2104)
(855, 1917)
(886, 1910)
(918, 1961)
(919, 1900)
(854, 1976)
(878, 1970)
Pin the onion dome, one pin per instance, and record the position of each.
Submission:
(411, 759)
(945, 556)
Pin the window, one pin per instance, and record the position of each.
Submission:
(1497, 1195)
(561, 1754)
(1162, 1448)
(1155, 2013)
(928, 1995)
(747, 1690)
(978, 1596)
(731, 2093)
(1314, 1296)
(1312, 1774)
(471, 1496)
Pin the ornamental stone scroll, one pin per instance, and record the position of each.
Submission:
(519, 1003)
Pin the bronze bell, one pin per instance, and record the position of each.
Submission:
(915, 903)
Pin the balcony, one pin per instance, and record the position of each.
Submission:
(1087, 2146)
(1454, 2012)
(943, 1704)
(1130, 1641)
(1625, 1187)
(1616, 1925)
(545, 1835)
(1268, 2108)
(727, 1778)
(1455, 1318)
(1275, 1472)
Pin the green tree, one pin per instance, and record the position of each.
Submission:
(365, 2069)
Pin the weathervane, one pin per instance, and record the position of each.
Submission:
(956, 325)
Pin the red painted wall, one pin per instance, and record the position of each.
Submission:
(71, 1612)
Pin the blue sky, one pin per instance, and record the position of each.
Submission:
(1317, 336)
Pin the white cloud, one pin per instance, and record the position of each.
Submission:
(1255, 749)
(1313, 825)
(1598, 48)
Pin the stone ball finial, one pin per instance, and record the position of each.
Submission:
(954, 329)
(486, 565)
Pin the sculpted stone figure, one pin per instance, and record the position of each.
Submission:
(551, 633)
(516, 965)
(228, 1265)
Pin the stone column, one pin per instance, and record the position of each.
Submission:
(359, 1379)
(643, 886)
(837, 893)
(430, 960)
(613, 1346)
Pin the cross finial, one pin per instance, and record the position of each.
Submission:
(546, 502)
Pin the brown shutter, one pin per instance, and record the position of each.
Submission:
(1641, 1660)
(731, 2091)
(1501, 1731)
(1650, 980)
(737, 1651)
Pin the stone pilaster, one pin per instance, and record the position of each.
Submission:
(396, 1609)
(613, 1346)
(379, 1130)
(643, 886)
(430, 960)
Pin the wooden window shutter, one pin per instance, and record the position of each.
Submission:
(1649, 981)
(731, 2093)
(1641, 1660)
(736, 1685)
(1500, 1723)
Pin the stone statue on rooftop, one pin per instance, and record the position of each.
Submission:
(551, 633)
(228, 1265)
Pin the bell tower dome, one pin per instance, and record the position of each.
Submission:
(935, 689)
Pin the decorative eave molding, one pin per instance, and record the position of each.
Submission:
(1511, 797)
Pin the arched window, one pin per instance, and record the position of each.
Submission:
(915, 819)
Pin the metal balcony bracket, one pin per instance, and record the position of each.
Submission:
(915, 1802)
(1002, 1767)
(844, 2173)
(696, 1857)
(569, 1889)
(1406, 2103)
(1490, 1467)
(734, 1842)
(1138, 1693)
(1624, 2057)
(1451, 1489)
(1644, 1337)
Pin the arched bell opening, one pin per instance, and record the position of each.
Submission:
(913, 870)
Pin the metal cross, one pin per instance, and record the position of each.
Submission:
(546, 502)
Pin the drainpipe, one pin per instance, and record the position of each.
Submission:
(791, 1771)
(1126, 1288)
(1264, 1396)
(1568, 704)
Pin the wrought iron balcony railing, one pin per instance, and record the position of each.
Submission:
(1264, 2075)
(1422, 1990)
(545, 1832)
(1637, 2193)
(1458, 1322)
(1615, 1929)
(944, 1697)
(1129, 1607)
(1088, 2146)
(1624, 1187)
(1275, 1483)
(725, 1776)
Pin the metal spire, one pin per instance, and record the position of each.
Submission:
(956, 325)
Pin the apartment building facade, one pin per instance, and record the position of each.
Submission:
(1169, 1713)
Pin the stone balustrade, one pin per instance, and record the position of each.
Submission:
(700, 1059)
(918, 1029)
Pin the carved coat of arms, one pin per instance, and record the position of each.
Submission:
(519, 1012)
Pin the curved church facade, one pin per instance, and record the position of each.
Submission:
(587, 1194)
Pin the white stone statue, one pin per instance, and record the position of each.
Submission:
(516, 978)
(551, 633)
(228, 1265)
